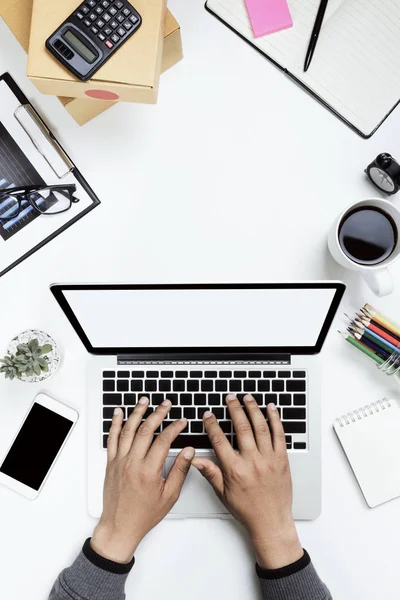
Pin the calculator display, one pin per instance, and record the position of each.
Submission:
(79, 46)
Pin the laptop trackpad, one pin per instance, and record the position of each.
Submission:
(197, 497)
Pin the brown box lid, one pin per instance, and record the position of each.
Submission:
(137, 62)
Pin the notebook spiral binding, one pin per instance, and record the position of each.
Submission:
(364, 412)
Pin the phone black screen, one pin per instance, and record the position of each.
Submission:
(36, 446)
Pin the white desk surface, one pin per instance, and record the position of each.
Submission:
(235, 176)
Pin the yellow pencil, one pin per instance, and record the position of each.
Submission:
(379, 318)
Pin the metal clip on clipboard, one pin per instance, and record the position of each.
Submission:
(43, 140)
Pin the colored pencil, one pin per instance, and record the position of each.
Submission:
(380, 331)
(376, 324)
(349, 318)
(379, 318)
(365, 335)
(367, 316)
(361, 347)
(373, 344)
(366, 322)
(378, 339)
(375, 348)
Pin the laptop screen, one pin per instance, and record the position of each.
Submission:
(278, 317)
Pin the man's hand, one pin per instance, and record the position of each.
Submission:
(255, 483)
(136, 497)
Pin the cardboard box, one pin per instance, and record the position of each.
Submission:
(132, 74)
(83, 110)
(17, 15)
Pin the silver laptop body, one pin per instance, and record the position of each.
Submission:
(193, 344)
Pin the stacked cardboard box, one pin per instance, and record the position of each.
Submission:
(158, 40)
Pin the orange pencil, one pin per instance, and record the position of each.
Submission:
(386, 336)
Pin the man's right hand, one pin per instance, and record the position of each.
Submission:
(136, 495)
(255, 483)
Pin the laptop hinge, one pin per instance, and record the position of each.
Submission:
(205, 359)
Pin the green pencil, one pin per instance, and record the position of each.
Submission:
(358, 333)
(357, 344)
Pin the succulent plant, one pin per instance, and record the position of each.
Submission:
(8, 368)
(29, 359)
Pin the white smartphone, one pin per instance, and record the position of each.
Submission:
(37, 445)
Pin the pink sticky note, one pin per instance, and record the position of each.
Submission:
(268, 16)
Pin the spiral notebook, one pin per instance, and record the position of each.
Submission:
(370, 437)
(355, 69)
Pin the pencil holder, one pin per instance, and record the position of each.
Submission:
(377, 337)
(391, 366)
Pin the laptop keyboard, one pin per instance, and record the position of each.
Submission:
(192, 392)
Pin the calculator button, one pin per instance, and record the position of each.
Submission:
(105, 4)
(100, 23)
(107, 31)
(121, 31)
(85, 9)
(109, 44)
(92, 16)
(120, 18)
(114, 24)
(133, 18)
(92, 3)
(79, 15)
(113, 11)
(128, 25)
(107, 17)
(115, 38)
(119, 4)
(126, 12)
(101, 37)
(87, 23)
(94, 30)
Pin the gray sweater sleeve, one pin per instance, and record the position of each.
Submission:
(298, 581)
(92, 577)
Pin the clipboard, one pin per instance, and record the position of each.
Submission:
(39, 137)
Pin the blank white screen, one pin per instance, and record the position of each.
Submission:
(201, 318)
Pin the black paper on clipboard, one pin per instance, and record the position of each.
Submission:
(6, 77)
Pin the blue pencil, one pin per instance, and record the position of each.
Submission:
(381, 339)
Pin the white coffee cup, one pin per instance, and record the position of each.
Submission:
(377, 276)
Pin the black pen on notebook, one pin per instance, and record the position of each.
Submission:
(315, 33)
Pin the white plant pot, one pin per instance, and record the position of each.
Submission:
(43, 338)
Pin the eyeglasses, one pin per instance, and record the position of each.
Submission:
(50, 200)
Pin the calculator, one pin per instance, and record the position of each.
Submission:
(91, 35)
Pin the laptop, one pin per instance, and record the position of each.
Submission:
(194, 344)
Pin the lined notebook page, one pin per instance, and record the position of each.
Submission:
(356, 65)
(283, 47)
(370, 438)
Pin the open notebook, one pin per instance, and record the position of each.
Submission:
(355, 70)
(371, 441)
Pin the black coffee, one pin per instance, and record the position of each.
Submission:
(367, 235)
